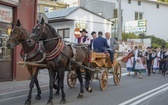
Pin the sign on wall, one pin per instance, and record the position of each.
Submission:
(138, 26)
(6, 14)
(15, 2)
(81, 25)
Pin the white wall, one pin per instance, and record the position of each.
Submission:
(62, 25)
(157, 19)
(94, 22)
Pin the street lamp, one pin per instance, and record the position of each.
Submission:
(119, 20)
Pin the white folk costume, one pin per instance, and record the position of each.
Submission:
(138, 65)
(156, 61)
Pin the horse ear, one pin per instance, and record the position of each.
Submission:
(12, 25)
(42, 21)
(18, 23)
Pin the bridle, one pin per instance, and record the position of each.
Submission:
(16, 42)
(41, 33)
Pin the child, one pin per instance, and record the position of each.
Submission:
(129, 64)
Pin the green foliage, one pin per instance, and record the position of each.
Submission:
(163, 0)
(156, 42)
(126, 36)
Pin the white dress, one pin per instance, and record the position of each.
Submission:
(156, 61)
(138, 66)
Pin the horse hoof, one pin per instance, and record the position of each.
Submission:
(50, 102)
(63, 101)
(80, 95)
(38, 97)
(28, 102)
(89, 89)
(57, 93)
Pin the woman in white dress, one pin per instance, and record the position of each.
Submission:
(138, 66)
(156, 59)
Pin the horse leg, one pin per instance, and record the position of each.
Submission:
(61, 84)
(88, 79)
(38, 96)
(58, 84)
(51, 76)
(78, 72)
(33, 71)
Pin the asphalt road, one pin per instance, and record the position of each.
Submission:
(151, 90)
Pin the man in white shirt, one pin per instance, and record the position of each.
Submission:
(112, 43)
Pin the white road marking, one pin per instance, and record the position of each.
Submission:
(144, 94)
(149, 96)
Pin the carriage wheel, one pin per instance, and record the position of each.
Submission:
(103, 80)
(117, 74)
(71, 78)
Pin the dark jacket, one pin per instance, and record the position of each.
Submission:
(100, 44)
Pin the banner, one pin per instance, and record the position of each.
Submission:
(6, 14)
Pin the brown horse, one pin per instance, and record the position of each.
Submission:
(33, 53)
(59, 57)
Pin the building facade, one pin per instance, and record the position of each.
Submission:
(155, 13)
(68, 22)
(11, 11)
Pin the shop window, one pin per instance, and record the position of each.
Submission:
(5, 54)
(65, 33)
(138, 15)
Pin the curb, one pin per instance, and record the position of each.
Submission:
(21, 92)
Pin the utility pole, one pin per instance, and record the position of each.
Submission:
(119, 21)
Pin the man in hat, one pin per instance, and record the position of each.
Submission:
(100, 43)
(163, 60)
(149, 59)
(94, 36)
(84, 39)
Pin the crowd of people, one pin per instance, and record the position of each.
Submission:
(150, 61)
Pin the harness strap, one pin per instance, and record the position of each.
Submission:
(56, 51)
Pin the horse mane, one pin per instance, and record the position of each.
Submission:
(53, 31)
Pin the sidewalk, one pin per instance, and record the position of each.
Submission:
(11, 89)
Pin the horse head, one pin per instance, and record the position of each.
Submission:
(41, 32)
(18, 35)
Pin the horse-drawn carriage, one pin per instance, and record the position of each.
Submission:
(102, 66)
(58, 56)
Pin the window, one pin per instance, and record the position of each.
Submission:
(138, 15)
(139, 3)
(48, 9)
(157, 5)
(65, 33)
(115, 13)
(129, 1)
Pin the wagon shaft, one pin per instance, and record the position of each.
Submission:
(32, 64)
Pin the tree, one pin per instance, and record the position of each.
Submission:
(156, 42)
(163, 0)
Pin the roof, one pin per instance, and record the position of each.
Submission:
(62, 13)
